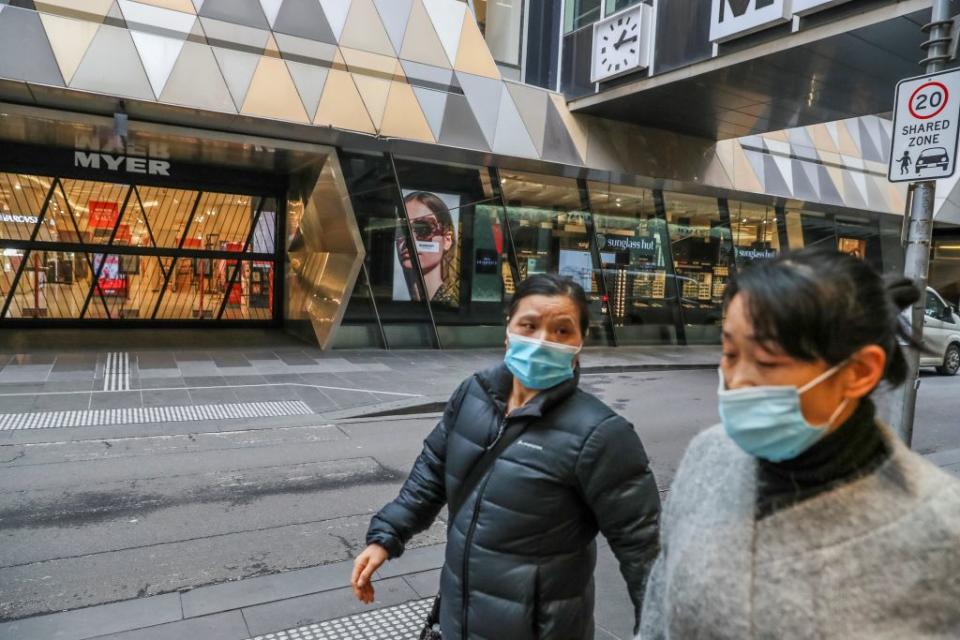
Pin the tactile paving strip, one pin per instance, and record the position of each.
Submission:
(145, 415)
(401, 622)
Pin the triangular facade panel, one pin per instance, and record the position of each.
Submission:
(158, 55)
(460, 127)
(421, 43)
(25, 53)
(196, 81)
(272, 93)
(98, 8)
(532, 104)
(473, 55)
(304, 18)
(138, 14)
(237, 68)
(245, 12)
(374, 92)
(448, 18)
(483, 94)
(309, 80)
(434, 104)
(403, 117)
(363, 30)
(557, 144)
(112, 66)
(271, 8)
(511, 137)
(803, 189)
(69, 40)
(395, 14)
(249, 38)
(773, 182)
(341, 105)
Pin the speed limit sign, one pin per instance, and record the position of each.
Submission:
(925, 128)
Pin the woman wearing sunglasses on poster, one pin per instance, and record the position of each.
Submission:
(802, 516)
(434, 237)
(530, 468)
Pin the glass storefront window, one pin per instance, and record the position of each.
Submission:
(617, 5)
(754, 231)
(550, 231)
(393, 290)
(702, 253)
(579, 13)
(459, 234)
(109, 276)
(634, 254)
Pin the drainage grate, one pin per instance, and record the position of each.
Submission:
(116, 375)
(143, 415)
(402, 622)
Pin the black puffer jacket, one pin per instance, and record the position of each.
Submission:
(520, 554)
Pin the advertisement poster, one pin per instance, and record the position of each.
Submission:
(435, 220)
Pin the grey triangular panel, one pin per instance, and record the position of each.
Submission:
(755, 158)
(557, 144)
(483, 94)
(773, 182)
(852, 191)
(196, 81)
(433, 104)
(220, 32)
(112, 66)
(237, 68)
(460, 128)
(512, 138)
(395, 14)
(428, 75)
(25, 53)
(294, 46)
(115, 16)
(875, 198)
(532, 105)
(246, 12)
(867, 146)
(304, 18)
(309, 80)
(811, 174)
(803, 189)
(828, 192)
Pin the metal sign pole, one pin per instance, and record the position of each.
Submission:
(917, 259)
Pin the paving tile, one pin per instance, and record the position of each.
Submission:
(426, 583)
(75, 362)
(295, 357)
(37, 358)
(260, 355)
(192, 356)
(21, 387)
(295, 612)
(315, 399)
(61, 401)
(204, 381)
(415, 560)
(16, 404)
(96, 621)
(188, 369)
(222, 626)
(274, 378)
(230, 360)
(66, 376)
(115, 400)
(161, 383)
(243, 379)
(166, 397)
(151, 360)
(69, 385)
(213, 396)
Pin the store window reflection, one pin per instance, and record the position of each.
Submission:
(549, 227)
(634, 253)
(702, 253)
(501, 22)
(457, 227)
(579, 13)
(754, 232)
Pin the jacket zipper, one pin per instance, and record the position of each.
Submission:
(468, 541)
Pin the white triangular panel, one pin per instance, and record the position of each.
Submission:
(271, 9)
(336, 12)
(158, 54)
(512, 137)
(447, 18)
(434, 104)
(141, 14)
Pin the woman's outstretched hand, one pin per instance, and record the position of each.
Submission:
(369, 560)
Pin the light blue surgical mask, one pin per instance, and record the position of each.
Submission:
(539, 364)
(767, 422)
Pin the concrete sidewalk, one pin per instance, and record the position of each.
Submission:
(311, 604)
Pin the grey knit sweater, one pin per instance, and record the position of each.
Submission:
(876, 558)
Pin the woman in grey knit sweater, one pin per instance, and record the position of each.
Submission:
(801, 516)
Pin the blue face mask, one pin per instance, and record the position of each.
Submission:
(767, 422)
(539, 364)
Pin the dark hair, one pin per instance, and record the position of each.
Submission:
(437, 207)
(823, 304)
(551, 284)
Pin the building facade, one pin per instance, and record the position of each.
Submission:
(372, 173)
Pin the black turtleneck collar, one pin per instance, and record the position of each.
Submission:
(853, 450)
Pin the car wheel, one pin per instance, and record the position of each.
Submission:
(951, 361)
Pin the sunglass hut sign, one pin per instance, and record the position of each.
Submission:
(732, 19)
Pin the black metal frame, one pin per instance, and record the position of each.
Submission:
(32, 245)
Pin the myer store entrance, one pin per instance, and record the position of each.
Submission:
(93, 237)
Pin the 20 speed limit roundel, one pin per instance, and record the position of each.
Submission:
(928, 100)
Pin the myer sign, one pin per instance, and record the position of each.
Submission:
(120, 163)
(735, 18)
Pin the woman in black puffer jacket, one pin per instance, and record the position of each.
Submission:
(521, 551)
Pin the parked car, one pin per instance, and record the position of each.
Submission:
(932, 157)
(941, 335)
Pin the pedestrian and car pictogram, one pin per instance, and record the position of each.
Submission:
(925, 127)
